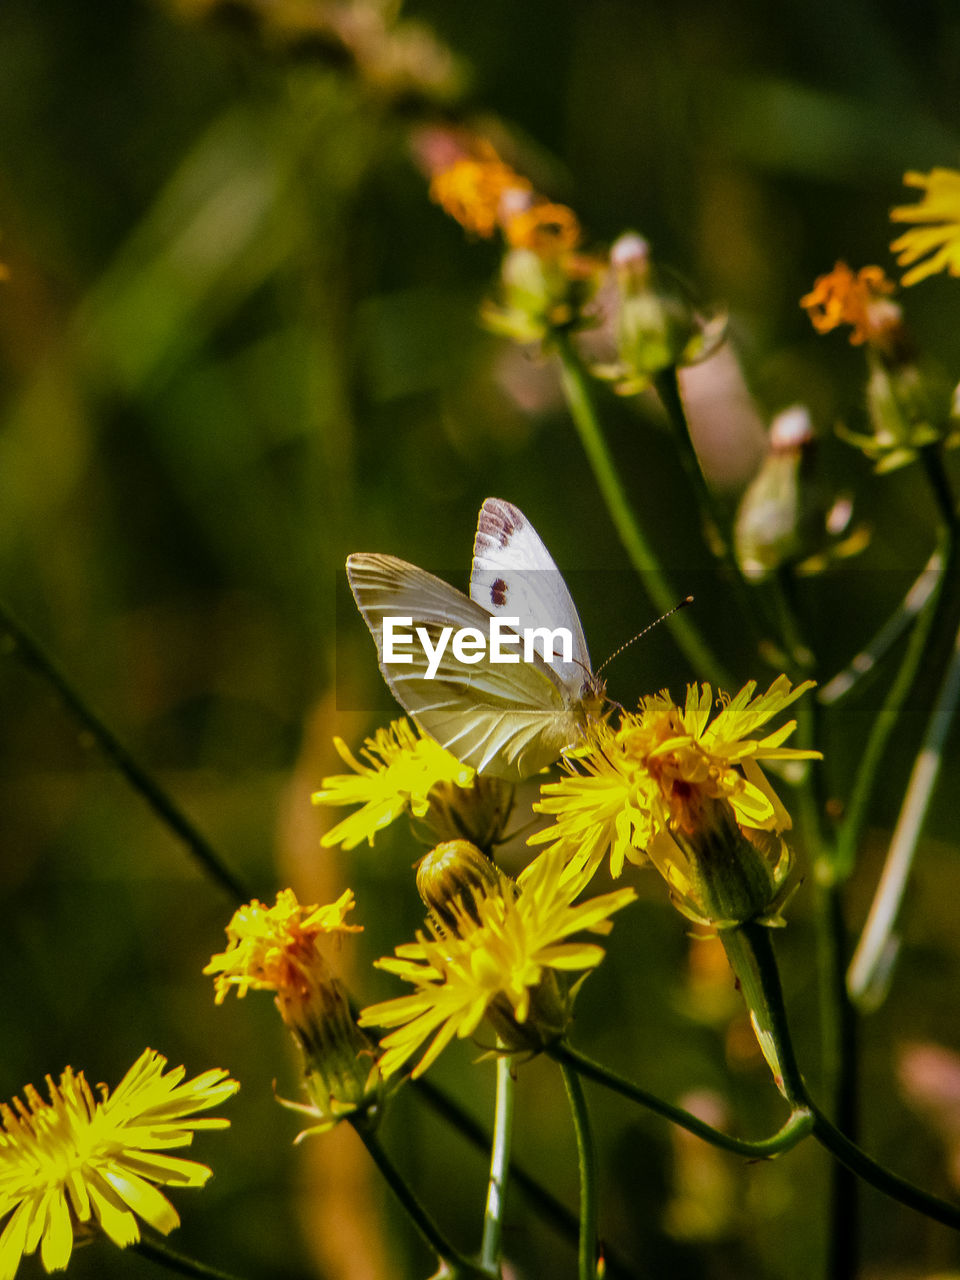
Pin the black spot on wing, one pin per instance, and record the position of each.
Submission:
(498, 593)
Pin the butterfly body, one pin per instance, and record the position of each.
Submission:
(508, 718)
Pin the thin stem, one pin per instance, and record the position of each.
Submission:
(838, 1023)
(543, 1201)
(837, 1017)
(936, 624)
(586, 1155)
(33, 655)
(798, 1125)
(458, 1265)
(902, 618)
(751, 957)
(848, 837)
(157, 1251)
(871, 960)
(891, 1184)
(579, 395)
(939, 481)
(772, 1014)
(499, 1166)
(668, 389)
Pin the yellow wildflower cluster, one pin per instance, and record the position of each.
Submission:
(280, 948)
(668, 776)
(501, 962)
(80, 1160)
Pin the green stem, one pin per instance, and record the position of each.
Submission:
(33, 655)
(456, 1263)
(932, 640)
(837, 1017)
(851, 829)
(939, 481)
(551, 1209)
(748, 601)
(499, 1166)
(586, 1155)
(576, 388)
(161, 1253)
(770, 1016)
(902, 618)
(798, 1125)
(838, 1024)
(751, 957)
(891, 1184)
(871, 960)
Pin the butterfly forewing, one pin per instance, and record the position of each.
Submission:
(514, 575)
(506, 719)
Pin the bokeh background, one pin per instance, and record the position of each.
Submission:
(237, 343)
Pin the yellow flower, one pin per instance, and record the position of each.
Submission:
(275, 948)
(279, 949)
(78, 1158)
(662, 769)
(501, 962)
(403, 768)
(938, 234)
(472, 188)
(857, 299)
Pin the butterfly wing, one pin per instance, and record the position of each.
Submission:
(514, 576)
(507, 720)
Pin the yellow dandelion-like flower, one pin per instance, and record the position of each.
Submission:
(403, 767)
(280, 948)
(472, 188)
(501, 962)
(661, 770)
(548, 229)
(275, 948)
(78, 1161)
(938, 232)
(843, 296)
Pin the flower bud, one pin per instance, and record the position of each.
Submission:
(786, 515)
(720, 874)
(477, 813)
(452, 876)
(657, 326)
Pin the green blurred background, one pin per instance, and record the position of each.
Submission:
(238, 343)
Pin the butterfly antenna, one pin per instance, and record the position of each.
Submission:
(626, 645)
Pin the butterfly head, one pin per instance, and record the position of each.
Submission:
(593, 696)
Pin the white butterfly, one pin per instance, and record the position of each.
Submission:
(507, 720)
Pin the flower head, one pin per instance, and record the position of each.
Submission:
(404, 768)
(938, 231)
(786, 514)
(276, 948)
(472, 187)
(670, 777)
(656, 325)
(502, 962)
(280, 949)
(548, 229)
(908, 400)
(858, 299)
(80, 1160)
